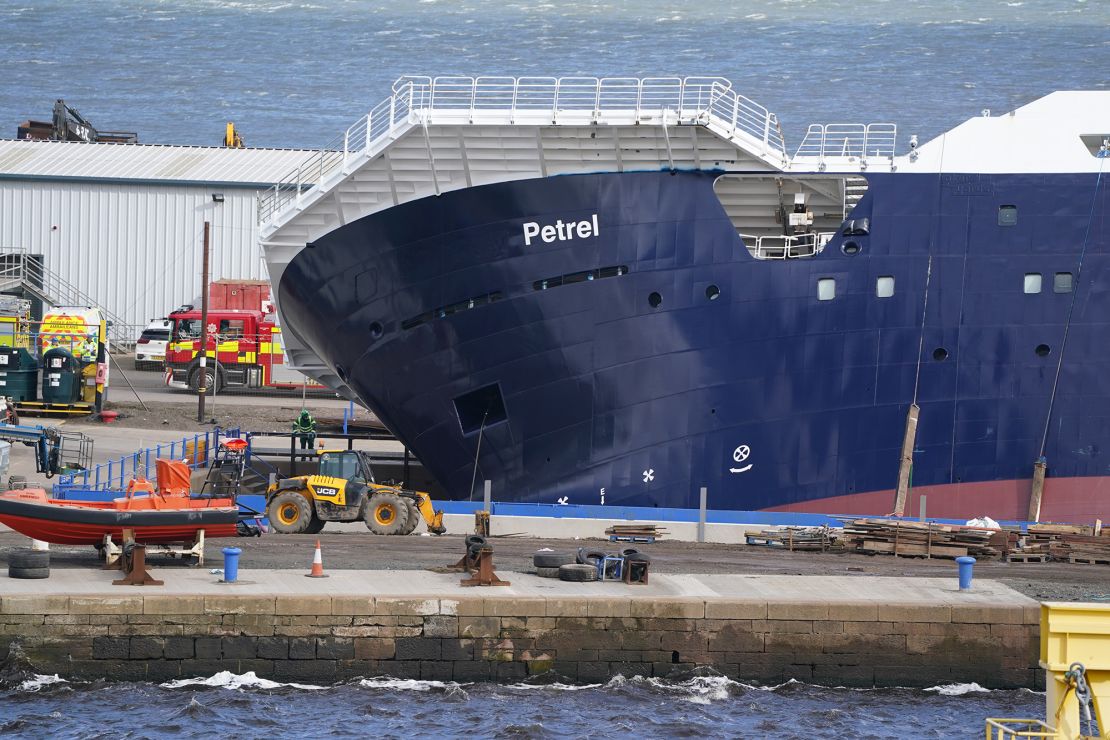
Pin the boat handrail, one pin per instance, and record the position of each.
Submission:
(843, 140)
(787, 246)
(532, 100)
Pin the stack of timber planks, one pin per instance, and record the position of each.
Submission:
(635, 532)
(919, 539)
(1065, 542)
(817, 539)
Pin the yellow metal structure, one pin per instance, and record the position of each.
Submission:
(232, 139)
(1075, 654)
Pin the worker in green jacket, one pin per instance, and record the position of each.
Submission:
(305, 428)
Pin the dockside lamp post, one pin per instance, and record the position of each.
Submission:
(202, 380)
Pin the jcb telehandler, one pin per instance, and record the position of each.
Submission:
(343, 490)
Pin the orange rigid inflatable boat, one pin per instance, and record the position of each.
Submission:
(166, 515)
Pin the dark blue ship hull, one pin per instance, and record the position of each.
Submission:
(635, 365)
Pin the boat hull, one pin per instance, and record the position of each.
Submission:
(87, 523)
(690, 363)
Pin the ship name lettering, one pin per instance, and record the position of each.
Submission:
(560, 230)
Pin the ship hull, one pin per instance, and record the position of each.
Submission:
(648, 354)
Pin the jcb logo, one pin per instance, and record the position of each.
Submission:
(325, 491)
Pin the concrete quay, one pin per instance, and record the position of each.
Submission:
(834, 630)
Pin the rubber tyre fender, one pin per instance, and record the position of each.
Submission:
(629, 551)
(386, 513)
(638, 557)
(296, 513)
(28, 573)
(475, 540)
(414, 516)
(577, 572)
(551, 559)
(28, 558)
(585, 556)
(547, 572)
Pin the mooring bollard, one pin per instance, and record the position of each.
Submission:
(964, 564)
(231, 564)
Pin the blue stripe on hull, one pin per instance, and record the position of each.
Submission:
(604, 391)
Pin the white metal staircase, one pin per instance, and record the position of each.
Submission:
(24, 271)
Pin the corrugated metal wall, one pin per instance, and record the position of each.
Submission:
(134, 248)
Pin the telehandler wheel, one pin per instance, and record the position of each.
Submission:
(289, 513)
(315, 526)
(386, 513)
(414, 517)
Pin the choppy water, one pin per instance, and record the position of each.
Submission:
(227, 705)
(297, 72)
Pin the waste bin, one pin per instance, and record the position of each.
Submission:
(61, 376)
(19, 374)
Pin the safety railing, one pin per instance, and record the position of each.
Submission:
(510, 100)
(1012, 729)
(113, 475)
(784, 246)
(843, 140)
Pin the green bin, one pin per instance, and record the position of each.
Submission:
(19, 374)
(61, 376)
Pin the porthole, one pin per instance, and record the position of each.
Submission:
(940, 354)
(376, 330)
(850, 248)
(1043, 350)
(655, 300)
(341, 372)
(712, 292)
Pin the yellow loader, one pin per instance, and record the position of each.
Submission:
(343, 490)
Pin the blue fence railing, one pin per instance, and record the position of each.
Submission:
(113, 475)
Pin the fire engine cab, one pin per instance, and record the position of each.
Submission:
(244, 344)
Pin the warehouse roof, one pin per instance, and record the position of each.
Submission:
(149, 163)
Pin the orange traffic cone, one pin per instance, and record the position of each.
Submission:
(317, 564)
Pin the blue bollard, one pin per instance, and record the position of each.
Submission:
(964, 563)
(231, 564)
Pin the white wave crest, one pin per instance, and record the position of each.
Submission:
(957, 689)
(408, 684)
(696, 690)
(229, 680)
(553, 686)
(38, 681)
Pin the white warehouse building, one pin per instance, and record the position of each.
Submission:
(120, 225)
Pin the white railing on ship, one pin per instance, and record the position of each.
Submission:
(570, 99)
(787, 246)
(842, 140)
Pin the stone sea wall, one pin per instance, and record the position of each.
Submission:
(324, 639)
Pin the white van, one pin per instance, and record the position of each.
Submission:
(150, 349)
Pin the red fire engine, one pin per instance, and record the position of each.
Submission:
(244, 344)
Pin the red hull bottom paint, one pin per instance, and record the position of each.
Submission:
(70, 533)
(1072, 500)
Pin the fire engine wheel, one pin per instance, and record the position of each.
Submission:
(414, 517)
(214, 383)
(289, 513)
(386, 513)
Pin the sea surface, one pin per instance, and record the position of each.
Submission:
(297, 73)
(229, 705)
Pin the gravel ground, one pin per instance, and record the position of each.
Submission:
(355, 549)
(266, 414)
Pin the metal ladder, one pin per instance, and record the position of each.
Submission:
(854, 188)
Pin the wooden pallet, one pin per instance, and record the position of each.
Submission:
(1088, 561)
(1026, 557)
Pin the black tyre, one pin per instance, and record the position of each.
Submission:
(577, 572)
(545, 559)
(475, 540)
(629, 551)
(315, 525)
(17, 481)
(586, 556)
(547, 572)
(214, 384)
(289, 513)
(28, 573)
(28, 558)
(638, 557)
(414, 516)
(386, 513)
